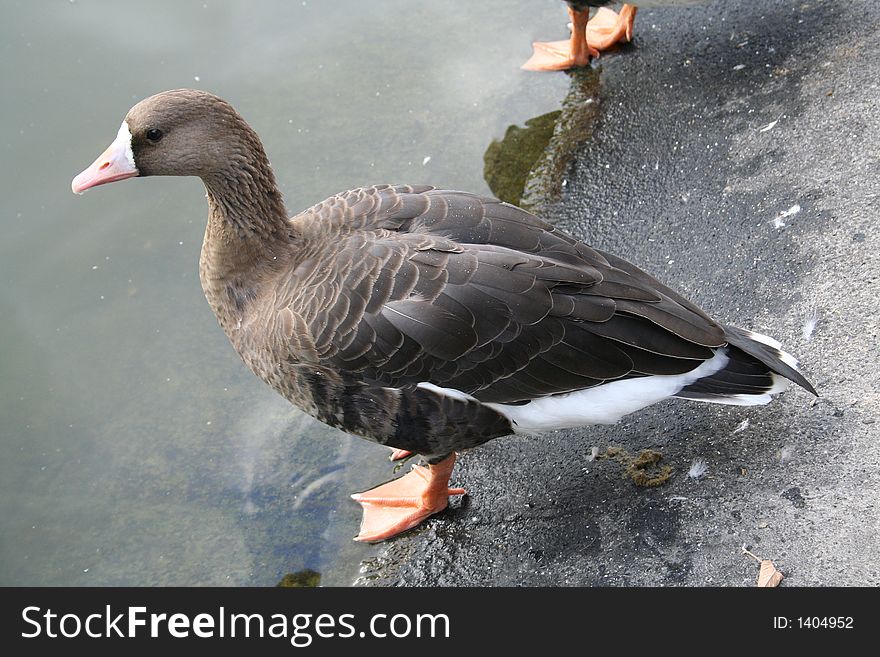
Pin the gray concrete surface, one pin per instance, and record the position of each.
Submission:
(714, 122)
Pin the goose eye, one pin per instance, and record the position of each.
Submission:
(154, 134)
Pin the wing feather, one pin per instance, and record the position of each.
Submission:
(409, 284)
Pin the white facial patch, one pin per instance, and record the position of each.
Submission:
(123, 141)
(115, 163)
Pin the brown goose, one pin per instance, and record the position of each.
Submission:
(428, 320)
(589, 36)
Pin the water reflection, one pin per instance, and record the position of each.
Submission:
(528, 166)
(135, 447)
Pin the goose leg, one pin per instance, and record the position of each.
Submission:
(561, 55)
(392, 508)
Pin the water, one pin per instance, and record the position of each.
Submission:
(135, 447)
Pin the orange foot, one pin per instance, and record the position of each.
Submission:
(608, 28)
(588, 37)
(392, 508)
(561, 55)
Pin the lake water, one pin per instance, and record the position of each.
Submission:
(135, 447)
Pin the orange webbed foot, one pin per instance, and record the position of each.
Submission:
(608, 28)
(557, 56)
(588, 39)
(562, 55)
(401, 504)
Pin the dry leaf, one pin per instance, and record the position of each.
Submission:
(769, 576)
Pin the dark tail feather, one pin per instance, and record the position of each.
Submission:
(751, 375)
(768, 351)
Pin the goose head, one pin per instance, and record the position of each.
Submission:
(183, 132)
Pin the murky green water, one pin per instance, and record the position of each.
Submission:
(136, 447)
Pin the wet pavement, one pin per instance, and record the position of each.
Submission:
(733, 151)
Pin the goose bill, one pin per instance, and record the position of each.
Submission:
(115, 163)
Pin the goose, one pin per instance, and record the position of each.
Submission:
(589, 36)
(428, 320)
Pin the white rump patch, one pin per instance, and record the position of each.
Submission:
(608, 402)
(605, 403)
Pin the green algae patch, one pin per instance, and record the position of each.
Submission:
(301, 579)
(528, 166)
(507, 163)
